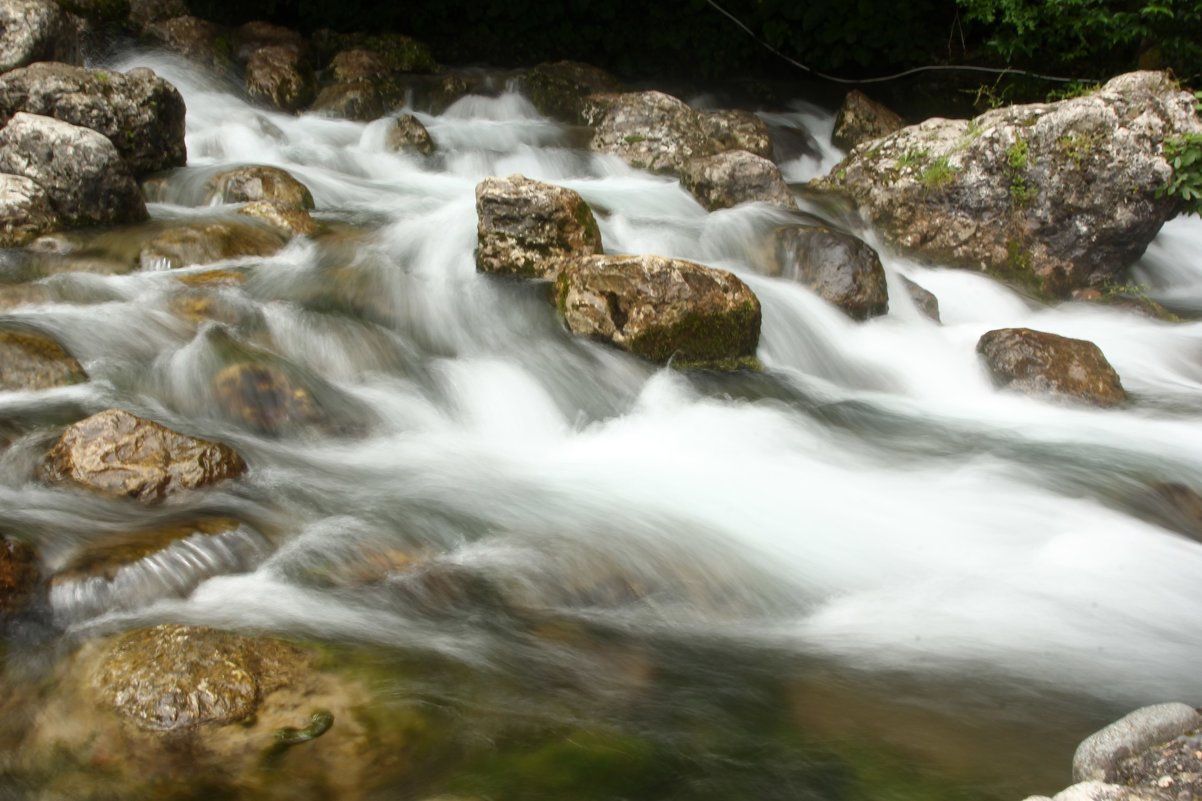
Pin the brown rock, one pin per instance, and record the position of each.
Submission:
(18, 575)
(1042, 364)
(36, 30)
(117, 454)
(734, 129)
(661, 309)
(279, 76)
(250, 183)
(257, 34)
(195, 38)
(35, 361)
(840, 268)
(264, 397)
(350, 101)
(727, 179)
(525, 226)
(357, 66)
(861, 119)
(407, 135)
(288, 219)
(205, 243)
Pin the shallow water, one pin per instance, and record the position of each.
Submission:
(862, 556)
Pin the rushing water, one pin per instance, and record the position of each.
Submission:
(865, 545)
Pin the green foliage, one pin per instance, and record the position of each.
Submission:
(938, 173)
(1184, 155)
(1017, 156)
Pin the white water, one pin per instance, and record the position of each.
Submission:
(870, 499)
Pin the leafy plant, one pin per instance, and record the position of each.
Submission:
(1184, 155)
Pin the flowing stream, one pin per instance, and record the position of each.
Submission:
(863, 555)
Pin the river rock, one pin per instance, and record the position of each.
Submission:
(526, 226)
(252, 36)
(350, 101)
(280, 76)
(143, 13)
(25, 211)
(139, 112)
(205, 243)
(18, 575)
(861, 119)
(357, 66)
(251, 183)
(924, 299)
(661, 309)
(839, 267)
(734, 129)
(1043, 364)
(727, 179)
(1054, 196)
(36, 30)
(194, 38)
(1099, 754)
(648, 130)
(557, 89)
(127, 570)
(406, 134)
(287, 219)
(31, 361)
(264, 397)
(84, 176)
(120, 455)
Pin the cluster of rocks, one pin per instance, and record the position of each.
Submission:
(1152, 754)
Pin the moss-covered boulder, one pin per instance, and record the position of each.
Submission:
(557, 89)
(727, 179)
(36, 30)
(139, 112)
(1048, 365)
(255, 182)
(29, 360)
(1053, 196)
(661, 309)
(526, 226)
(25, 211)
(280, 77)
(406, 134)
(117, 454)
(839, 267)
(861, 119)
(205, 243)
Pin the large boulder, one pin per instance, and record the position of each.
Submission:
(526, 226)
(120, 455)
(31, 361)
(281, 77)
(862, 119)
(1056, 196)
(1049, 365)
(727, 179)
(557, 89)
(140, 113)
(25, 211)
(205, 243)
(661, 309)
(648, 130)
(1098, 756)
(839, 267)
(36, 30)
(250, 183)
(84, 176)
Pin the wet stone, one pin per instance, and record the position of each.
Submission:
(18, 574)
(407, 135)
(839, 267)
(350, 101)
(251, 183)
(924, 299)
(287, 219)
(30, 361)
(205, 243)
(1048, 365)
(263, 397)
(120, 455)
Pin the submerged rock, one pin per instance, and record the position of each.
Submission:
(862, 119)
(1043, 364)
(1054, 196)
(84, 176)
(648, 130)
(839, 267)
(727, 179)
(251, 183)
(30, 361)
(18, 575)
(25, 211)
(406, 134)
(557, 89)
(661, 309)
(120, 455)
(280, 76)
(205, 243)
(264, 397)
(526, 226)
(36, 30)
(139, 112)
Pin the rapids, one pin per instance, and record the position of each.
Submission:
(970, 579)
